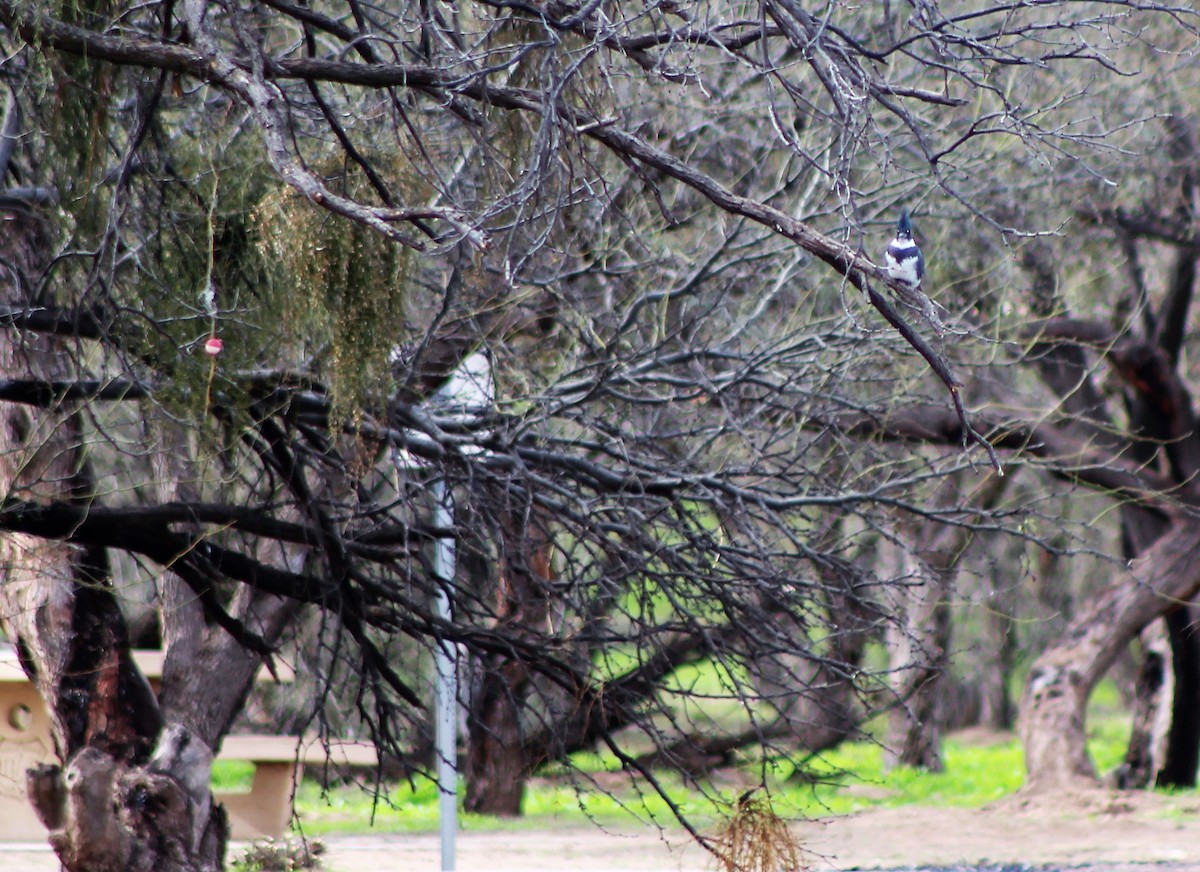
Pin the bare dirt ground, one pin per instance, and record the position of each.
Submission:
(1101, 830)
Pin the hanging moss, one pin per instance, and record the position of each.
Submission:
(342, 287)
(76, 92)
(296, 287)
(197, 229)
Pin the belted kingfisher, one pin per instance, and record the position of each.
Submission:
(903, 257)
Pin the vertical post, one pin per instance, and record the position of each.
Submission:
(445, 732)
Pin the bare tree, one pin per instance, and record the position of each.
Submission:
(660, 221)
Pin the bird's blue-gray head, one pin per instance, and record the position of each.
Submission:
(904, 228)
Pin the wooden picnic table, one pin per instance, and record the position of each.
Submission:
(25, 742)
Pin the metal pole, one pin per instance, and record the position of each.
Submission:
(445, 733)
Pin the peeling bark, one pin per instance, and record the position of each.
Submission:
(59, 609)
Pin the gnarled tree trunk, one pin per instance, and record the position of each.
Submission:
(113, 804)
(1054, 703)
(131, 791)
(1151, 709)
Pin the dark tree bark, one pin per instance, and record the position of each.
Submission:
(497, 765)
(496, 768)
(1163, 433)
(298, 103)
(1141, 760)
(132, 788)
(1162, 411)
(114, 803)
(1183, 739)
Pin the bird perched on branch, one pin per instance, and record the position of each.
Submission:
(904, 260)
(905, 264)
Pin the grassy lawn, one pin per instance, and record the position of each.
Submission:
(979, 768)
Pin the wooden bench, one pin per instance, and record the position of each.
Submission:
(278, 763)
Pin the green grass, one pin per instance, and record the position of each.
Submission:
(851, 778)
(232, 775)
(847, 779)
(549, 803)
(1108, 727)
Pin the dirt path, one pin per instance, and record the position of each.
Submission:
(1105, 830)
(1094, 828)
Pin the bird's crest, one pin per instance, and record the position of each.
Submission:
(904, 228)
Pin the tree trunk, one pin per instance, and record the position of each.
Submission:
(1151, 704)
(996, 707)
(207, 672)
(113, 804)
(919, 636)
(497, 766)
(918, 642)
(1054, 703)
(132, 788)
(1183, 739)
